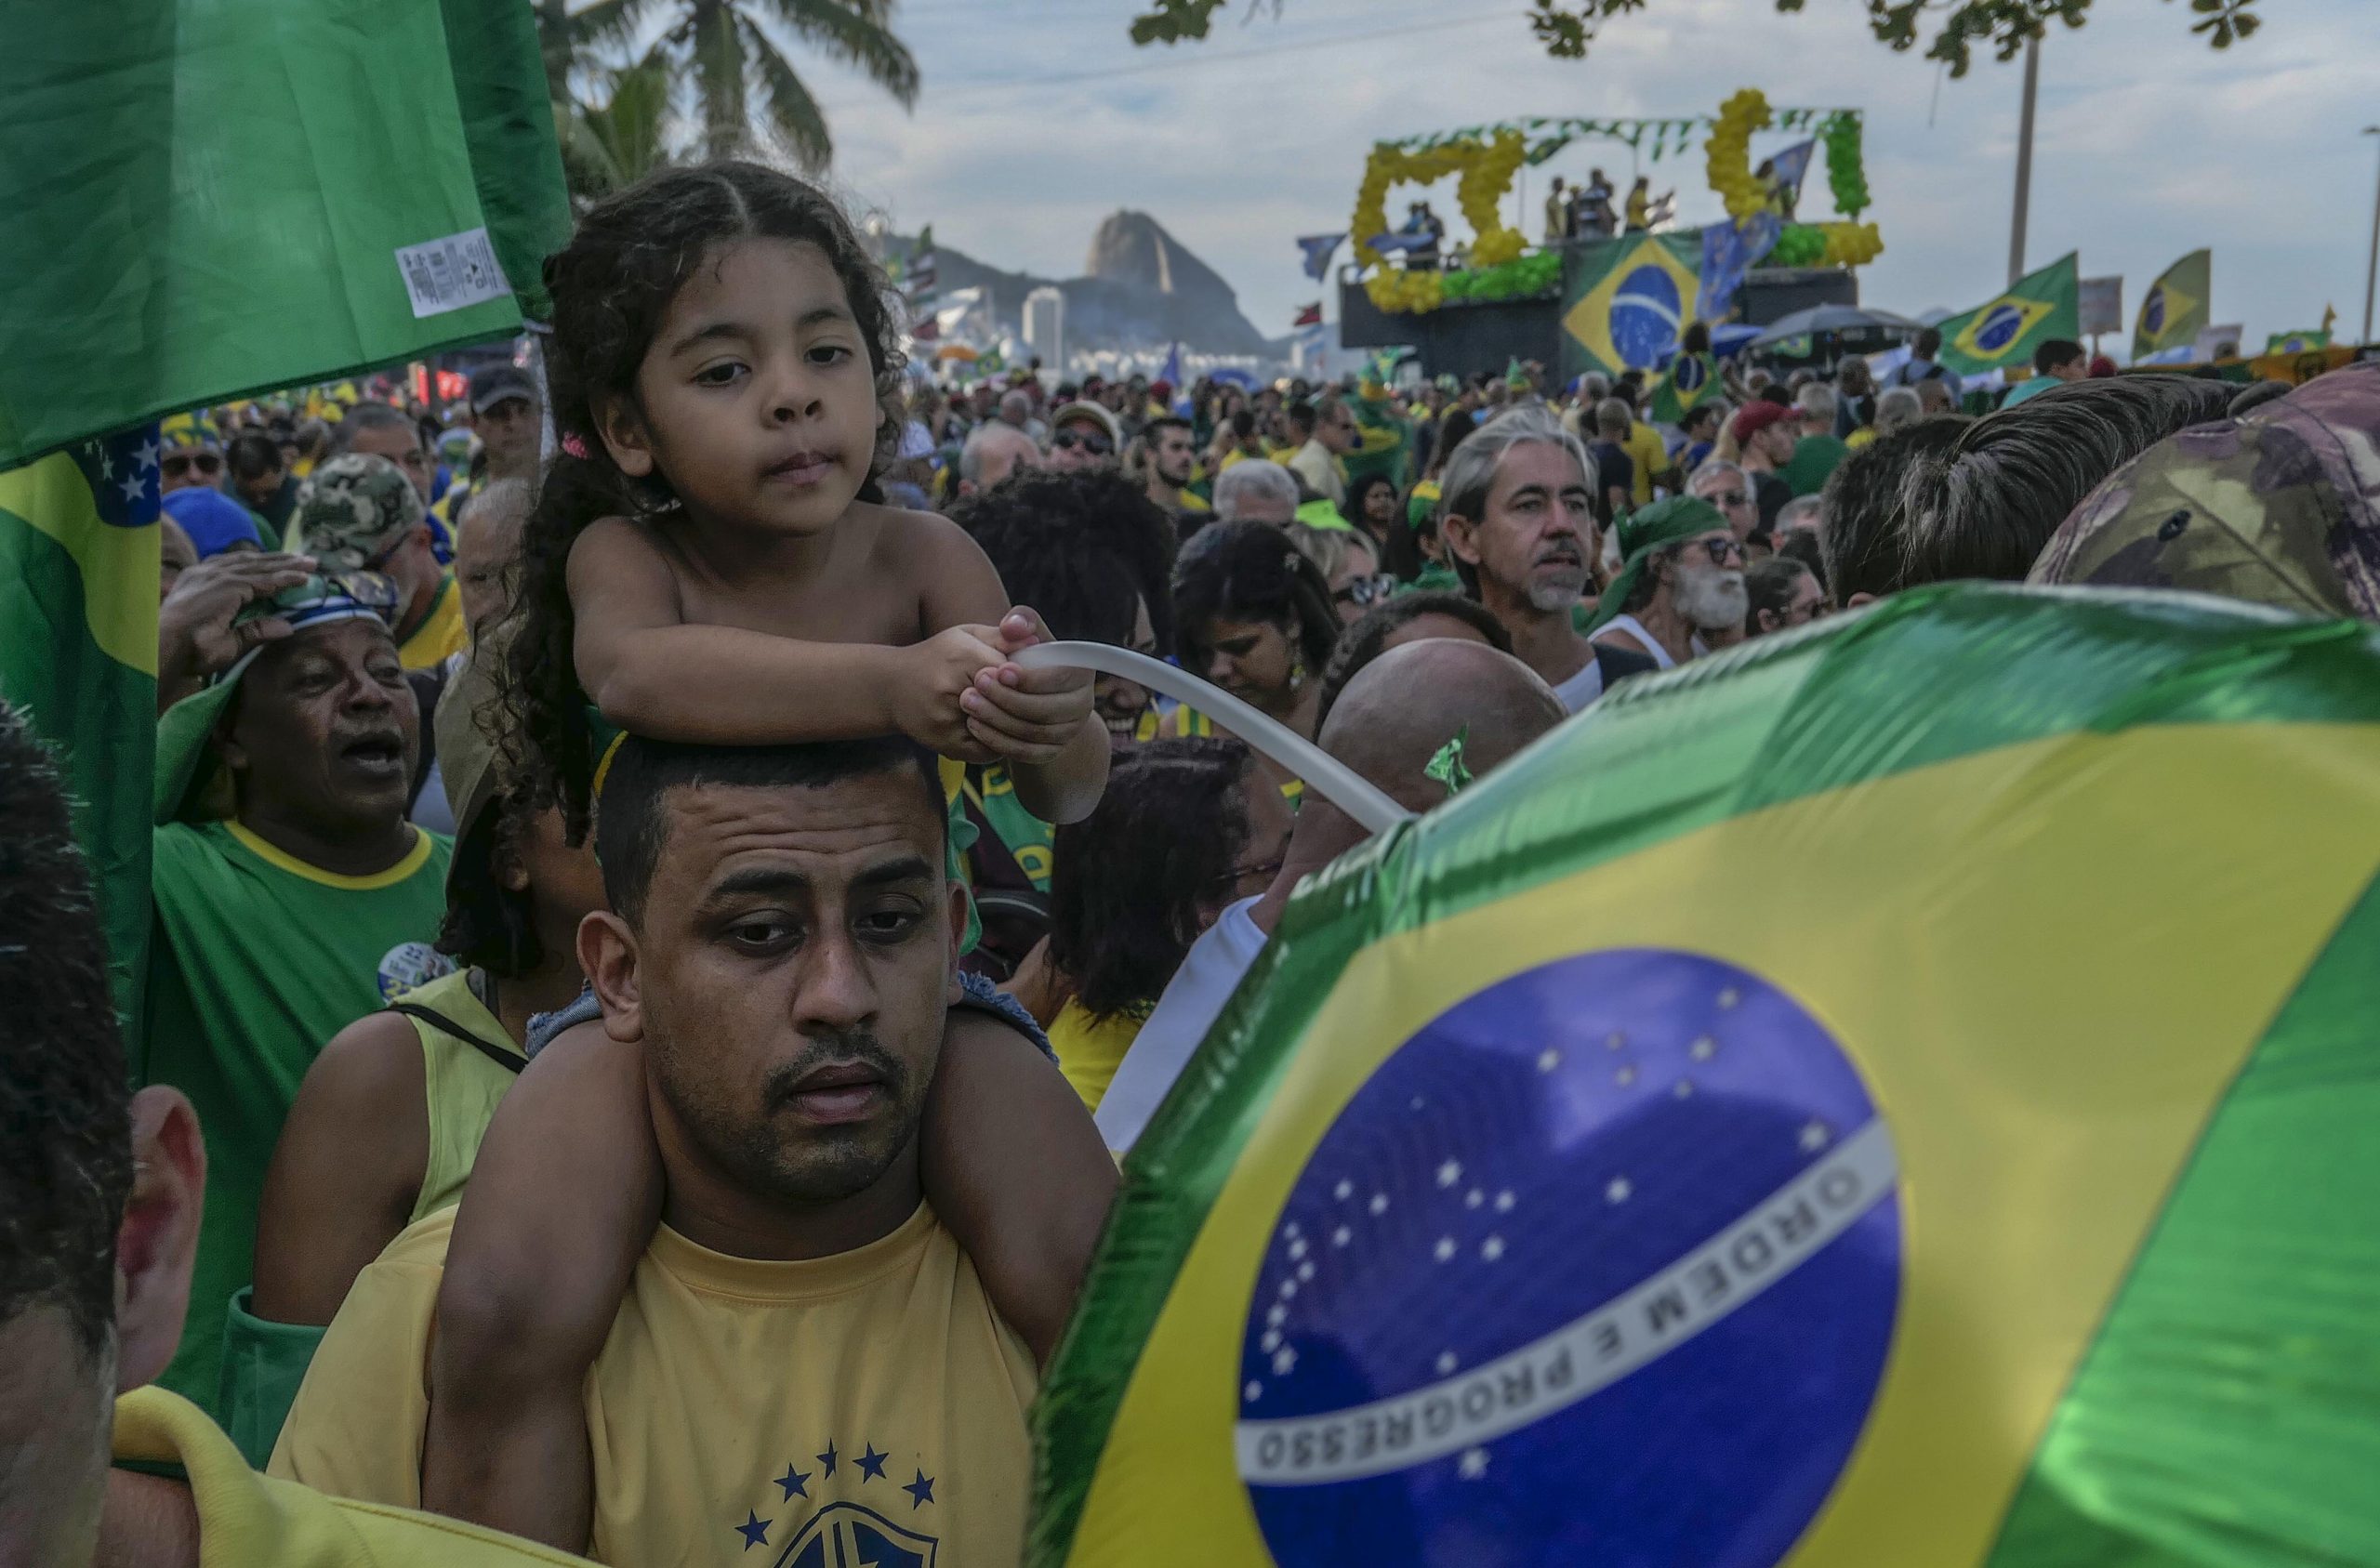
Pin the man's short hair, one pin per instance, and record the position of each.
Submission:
(1804, 545)
(1866, 518)
(1709, 411)
(1897, 408)
(1712, 470)
(2057, 352)
(1769, 585)
(1250, 477)
(632, 819)
(1985, 507)
(371, 416)
(970, 455)
(1613, 417)
(1163, 422)
(1817, 401)
(1303, 416)
(1929, 344)
(253, 454)
(65, 1116)
(1791, 515)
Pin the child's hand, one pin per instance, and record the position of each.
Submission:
(1021, 715)
(936, 674)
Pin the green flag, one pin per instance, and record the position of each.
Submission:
(1544, 1194)
(2303, 342)
(78, 657)
(2004, 334)
(206, 198)
(2174, 311)
(1691, 379)
(1625, 301)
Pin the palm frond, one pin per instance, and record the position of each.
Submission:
(853, 31)
(609, 25)
(717, 60)
(792, 112)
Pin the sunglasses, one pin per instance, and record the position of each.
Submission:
(1098, 446)
(1720, 550)
(1727, 498)
(1367, 591)
(177, 464)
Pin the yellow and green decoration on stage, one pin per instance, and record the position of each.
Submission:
(1490, 157)
(1895, 1094)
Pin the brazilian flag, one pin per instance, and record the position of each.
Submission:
(2003, 333)
(78, 656)
(2176, 307)
(1691, 379)
(1899, 1093)
(206, 198)
(1625, 302)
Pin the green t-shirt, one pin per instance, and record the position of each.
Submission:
(1815, 458)
(256, 961)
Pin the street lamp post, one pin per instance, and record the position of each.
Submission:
(2371, 268)
(2025, 160)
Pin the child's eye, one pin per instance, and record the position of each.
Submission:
(719, 375)
(829, 353)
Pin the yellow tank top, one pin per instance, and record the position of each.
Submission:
(464, 1083)
(1091, 1049)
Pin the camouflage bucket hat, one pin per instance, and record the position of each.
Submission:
(356, 507)
(2280, 506)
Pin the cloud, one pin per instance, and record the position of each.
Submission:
(1038, 119)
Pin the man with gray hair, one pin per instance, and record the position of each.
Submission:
(1516, 516)
(1727, 487)
(1897, 409)
(994, 451)
(1253, 490)
(1818, 452)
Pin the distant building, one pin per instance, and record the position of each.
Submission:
(1045, 326)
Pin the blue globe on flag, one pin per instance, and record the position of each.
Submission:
(2001, 325)
(1645, 316)
(2152, 312)
(1600, 1265)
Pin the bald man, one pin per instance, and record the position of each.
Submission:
(993, 451)
(1391, 718)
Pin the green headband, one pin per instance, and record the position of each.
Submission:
(1642, 533)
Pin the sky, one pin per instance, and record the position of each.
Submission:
(1038, 118)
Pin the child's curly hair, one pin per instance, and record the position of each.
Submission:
(610, 287)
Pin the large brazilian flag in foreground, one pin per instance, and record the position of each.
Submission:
(205, 198)
(1898, 1094)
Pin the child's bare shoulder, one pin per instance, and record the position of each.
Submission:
(896, 534)
(926, 552)
(618, 558)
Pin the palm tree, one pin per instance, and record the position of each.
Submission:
(724, 51)
(619, 142)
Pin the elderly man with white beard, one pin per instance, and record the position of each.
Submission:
(1680, 590)
(1517, 517)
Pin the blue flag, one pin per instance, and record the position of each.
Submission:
(1729, 251)
(1318, 250)
(1171, 371)
(1789, 166)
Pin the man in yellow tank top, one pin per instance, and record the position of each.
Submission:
(804, 1360)
(103, 1190)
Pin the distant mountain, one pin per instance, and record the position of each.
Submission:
(1142, 289)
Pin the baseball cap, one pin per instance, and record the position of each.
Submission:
(356, 507)
(496, 382)
(1757, 416)
(2277, 505)
(214, 521)
(1075, 412)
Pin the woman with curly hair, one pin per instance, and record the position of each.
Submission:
(1187, 827)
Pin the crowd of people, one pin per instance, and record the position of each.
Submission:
(647, 989)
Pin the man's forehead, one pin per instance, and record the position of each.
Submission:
(836, 831)
(358, 637)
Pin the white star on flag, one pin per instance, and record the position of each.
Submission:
(1449, 1173)
(147, 451)
(1474, 1463)
(132, 485)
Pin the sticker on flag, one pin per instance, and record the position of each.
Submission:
(451, 273)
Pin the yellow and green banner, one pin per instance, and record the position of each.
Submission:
(1626, 301)
(2174, 311)
(78, 657)
(2003, 333)
(206, 198)
(1897, 1094)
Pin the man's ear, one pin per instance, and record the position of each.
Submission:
(1461, 537)
(157, 1243)
(1855, 600)
(607, 957)
(624, 436)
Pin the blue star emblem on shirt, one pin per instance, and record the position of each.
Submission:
(871, 1464)
(827, 1459)
(920, 1491)
(794, 1482)
(755, 1530)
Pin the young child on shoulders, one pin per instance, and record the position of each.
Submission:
(710, 562)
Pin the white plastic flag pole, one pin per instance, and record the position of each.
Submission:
(1344, 787)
